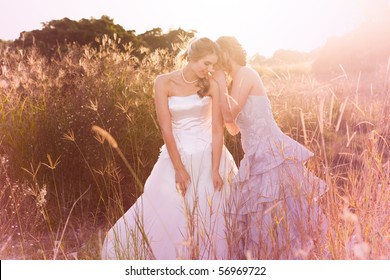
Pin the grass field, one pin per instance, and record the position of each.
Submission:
(62, 185)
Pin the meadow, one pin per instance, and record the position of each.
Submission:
(62, 185)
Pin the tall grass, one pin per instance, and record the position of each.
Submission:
(47, 111)
(61, 186)
(345, 122)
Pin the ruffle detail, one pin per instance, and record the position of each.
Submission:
(269, 154)
(274, 172)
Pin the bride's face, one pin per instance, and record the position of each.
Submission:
(205, 65)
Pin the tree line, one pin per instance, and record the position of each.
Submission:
(361, 49)
(57, 35)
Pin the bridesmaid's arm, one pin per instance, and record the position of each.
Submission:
(220, 77)
(233, 102)
(165, 123)
(225, 106)
(217, 136)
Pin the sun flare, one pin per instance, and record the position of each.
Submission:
(266, 26)
(262, 26)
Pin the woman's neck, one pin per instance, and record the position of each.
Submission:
(188, 75)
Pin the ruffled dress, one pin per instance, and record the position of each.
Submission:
(277, 214)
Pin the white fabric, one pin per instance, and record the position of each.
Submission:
(164, 225)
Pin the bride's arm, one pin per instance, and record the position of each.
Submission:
(165, 123)
(217, 136)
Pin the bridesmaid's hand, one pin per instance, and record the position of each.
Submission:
(217, 180)
(182, 181)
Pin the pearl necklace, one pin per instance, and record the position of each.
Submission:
(184, 79)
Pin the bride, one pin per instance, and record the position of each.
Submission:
(181, 214)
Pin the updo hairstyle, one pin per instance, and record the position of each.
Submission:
(196, 50)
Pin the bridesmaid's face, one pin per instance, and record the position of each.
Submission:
(205, 65)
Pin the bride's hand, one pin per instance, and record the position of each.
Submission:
(217, 181)
(182, 181)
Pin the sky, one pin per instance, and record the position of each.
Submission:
(262, 26)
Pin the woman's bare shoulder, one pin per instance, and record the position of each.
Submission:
(250, 74)
(246, 70)
(165, 78)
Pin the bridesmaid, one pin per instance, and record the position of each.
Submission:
(276, 207)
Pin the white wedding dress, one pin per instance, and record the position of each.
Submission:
(162, 224)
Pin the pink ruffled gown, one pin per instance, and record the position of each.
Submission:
(276, 207)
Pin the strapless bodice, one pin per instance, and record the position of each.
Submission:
(191, 122)
(262, 140)
(190, 113)
(256, 122)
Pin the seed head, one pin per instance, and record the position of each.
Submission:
(105, 135)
